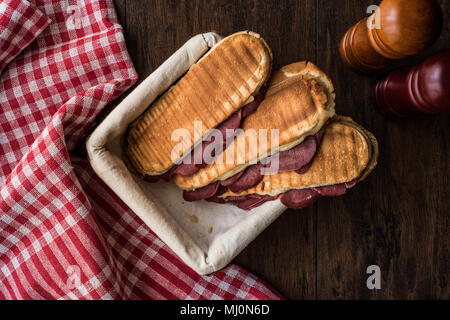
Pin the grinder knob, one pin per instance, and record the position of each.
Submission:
(424, 89)
(407, 27)
(398, 28)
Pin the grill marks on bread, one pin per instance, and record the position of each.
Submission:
(209, 92)
(345, 153)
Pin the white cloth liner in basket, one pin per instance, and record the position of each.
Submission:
(161, 205)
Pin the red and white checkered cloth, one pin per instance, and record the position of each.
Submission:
(63, 233)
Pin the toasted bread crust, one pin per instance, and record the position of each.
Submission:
(213, 89)
(347, 152)
(302, 68)
(298, 103)
(371, 141)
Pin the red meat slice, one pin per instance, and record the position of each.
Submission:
(299, 198)
(335, 189)
(201, 193)
(294, 199)
(216, 199)
(187, 169)
(232, 123)
(332, 190)
(304, 169)
(250, 108)
(233, 179)
(161, 177)
(253, 202)
(299, 156)
(251, 177)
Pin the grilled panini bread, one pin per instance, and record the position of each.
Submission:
(299, 100)
(347, 154)
(219, 84)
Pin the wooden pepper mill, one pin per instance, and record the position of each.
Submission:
(397, 29)
(424, 89)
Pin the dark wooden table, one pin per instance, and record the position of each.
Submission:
(397, 219)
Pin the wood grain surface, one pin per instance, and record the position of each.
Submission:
(397, 219)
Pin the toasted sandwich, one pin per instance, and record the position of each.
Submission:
(298, 102)
(347, 154)
(223, 87)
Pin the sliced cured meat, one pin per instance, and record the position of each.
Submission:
(241, 198)
(246, 202)
(299, 198)
(232, 179)
(216, 199)
(232, 123)
(253, 202)
(186, 169)
(251, 177)
(297, 157)
(318, 137)
(294, 199)
(220, 190)
(201, 193)
(250, 203)
(332, 190)
(335, 189)
(161, 177)
(304, 169)
(250, 108)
